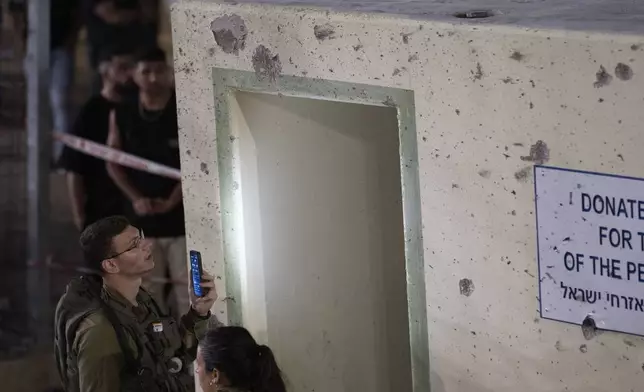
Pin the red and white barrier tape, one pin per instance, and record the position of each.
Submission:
(109, 154)
(119, 157)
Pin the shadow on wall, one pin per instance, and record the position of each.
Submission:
(436, 383)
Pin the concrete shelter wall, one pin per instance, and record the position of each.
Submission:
(485, 97)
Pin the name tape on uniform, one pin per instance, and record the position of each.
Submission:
(109, 154)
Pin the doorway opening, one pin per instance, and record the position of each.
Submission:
(324, 242)
(320, 209)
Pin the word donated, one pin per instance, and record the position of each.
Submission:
(592, 296)
(613, 206)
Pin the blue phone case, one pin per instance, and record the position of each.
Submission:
(196, 269)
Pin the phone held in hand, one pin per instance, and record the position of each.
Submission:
(196, 273)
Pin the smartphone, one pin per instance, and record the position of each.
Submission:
(196, 271)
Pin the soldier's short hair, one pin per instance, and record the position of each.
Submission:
(96, 239)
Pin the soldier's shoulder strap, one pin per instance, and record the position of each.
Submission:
(131, 362)
(150, 302)
(82, 298)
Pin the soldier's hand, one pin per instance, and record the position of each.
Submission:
(202, 305)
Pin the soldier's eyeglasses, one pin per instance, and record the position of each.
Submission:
(137, 242)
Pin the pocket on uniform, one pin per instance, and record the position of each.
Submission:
(166, 332)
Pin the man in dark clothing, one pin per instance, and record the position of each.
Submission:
(65, 23)
(118, 22)
(148, 129)
(93, 194)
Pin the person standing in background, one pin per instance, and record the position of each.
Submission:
(65, 24)
(93, 195)
(117, 22)
(148, 129)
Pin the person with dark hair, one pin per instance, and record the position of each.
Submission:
(118, 22)
(148, 129)
(229, 359)
(110, 334)
(92, 193)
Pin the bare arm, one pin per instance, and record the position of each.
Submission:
(172, 201)
(142, 205)
(115, 171)
(76, 190)
(176, 195)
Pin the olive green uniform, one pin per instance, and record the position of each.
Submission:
(89, 348)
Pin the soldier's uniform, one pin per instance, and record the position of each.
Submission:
(105, 344)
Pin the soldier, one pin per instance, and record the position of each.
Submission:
(111, 336)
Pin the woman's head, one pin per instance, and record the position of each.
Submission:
(230, 359)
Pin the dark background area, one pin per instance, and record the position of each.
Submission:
(25, 366)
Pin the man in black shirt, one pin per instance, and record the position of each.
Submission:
(93, 194)
(118, 22)
(148, 129)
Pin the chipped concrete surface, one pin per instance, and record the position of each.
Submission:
(594, 15)
(473, 227)
(603, 78)
(466, 287)
(539, 153)
(623, 72)
(266, 64)
(323, 32)
(230, 33)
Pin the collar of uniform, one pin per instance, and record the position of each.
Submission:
(114, 297)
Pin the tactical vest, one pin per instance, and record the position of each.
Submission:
(160, 363)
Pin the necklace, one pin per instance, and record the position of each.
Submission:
(150, 116)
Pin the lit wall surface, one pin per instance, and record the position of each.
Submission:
(556, 83)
